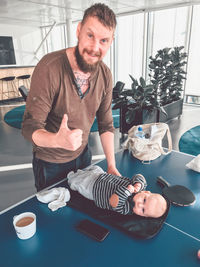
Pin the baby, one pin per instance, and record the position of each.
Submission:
(117, 193)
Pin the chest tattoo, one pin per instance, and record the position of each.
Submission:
(82, 80)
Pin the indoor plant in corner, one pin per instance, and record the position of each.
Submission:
(167, 74)
(138, 105)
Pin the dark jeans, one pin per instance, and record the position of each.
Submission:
(48, 173)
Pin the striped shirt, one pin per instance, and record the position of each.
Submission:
(107, 184)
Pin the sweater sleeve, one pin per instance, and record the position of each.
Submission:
(39, 101)
(104, 113)
(123, 205)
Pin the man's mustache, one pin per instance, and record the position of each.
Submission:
(90, 52)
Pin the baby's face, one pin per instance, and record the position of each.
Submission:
(148, 204)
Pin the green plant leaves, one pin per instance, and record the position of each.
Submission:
(167, 73)
(142, 82)
(166, 76)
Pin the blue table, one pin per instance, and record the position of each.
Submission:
(57, 243)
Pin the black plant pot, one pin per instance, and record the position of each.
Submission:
(141, 117)
(173, 110)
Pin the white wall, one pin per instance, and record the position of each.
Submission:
(25, 41)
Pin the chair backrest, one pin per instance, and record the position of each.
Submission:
(24, 91)
(117, 89)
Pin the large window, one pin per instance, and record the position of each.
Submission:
(129, 48)
(57, 38)
(166, 28)
(193, 70)
(142, 35)
(169, 28)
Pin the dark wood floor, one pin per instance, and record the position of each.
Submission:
(16, 177)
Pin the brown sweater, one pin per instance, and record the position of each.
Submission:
(53, 93)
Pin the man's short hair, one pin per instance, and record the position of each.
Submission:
(104, 14)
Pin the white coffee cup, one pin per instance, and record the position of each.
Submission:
(25, 225)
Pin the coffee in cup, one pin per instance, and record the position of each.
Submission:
(25, 225)
(24, 221)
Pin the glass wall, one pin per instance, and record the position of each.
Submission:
(169, 28)
(192, 90)
(129, 43)
(57, 38)
(141, 35)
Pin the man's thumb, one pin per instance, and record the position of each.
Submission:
(64, 123)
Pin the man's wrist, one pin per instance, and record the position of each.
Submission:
(44, 138)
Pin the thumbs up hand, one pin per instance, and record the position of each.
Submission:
(66, 138)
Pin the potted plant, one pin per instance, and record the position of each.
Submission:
(137, 105)
(167, 75)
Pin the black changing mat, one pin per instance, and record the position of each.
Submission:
(134, 225)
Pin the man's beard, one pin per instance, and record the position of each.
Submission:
(82, 64)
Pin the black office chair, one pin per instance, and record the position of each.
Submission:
(117, 89)
(24, 92)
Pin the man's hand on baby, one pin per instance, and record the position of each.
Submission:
(113, 170)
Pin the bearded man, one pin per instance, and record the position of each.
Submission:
(68, 89)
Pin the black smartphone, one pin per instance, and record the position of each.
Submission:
(93, 230)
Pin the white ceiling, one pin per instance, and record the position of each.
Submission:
(46, 12)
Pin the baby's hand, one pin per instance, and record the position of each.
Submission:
(137, 187)
(131, 188)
